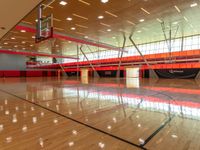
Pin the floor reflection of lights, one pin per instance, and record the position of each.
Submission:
(109, 111)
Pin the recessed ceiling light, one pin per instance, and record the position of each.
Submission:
(57, 45)
(0, 47)
(193, 5)
(23, 31)
(73, 28)
(104, 1)
(63, 3)
(5, 43)
(31, 45)
(15, 46)
(69, 18)
(23, 42)
(109, 30)
(13, 38)
(141, 20)
(100, 17)
(23, 48)
(86, 37)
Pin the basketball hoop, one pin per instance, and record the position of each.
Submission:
(44, 26)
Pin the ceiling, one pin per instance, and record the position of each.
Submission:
(10, 18)
(143, 17)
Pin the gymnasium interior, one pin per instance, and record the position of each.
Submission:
(100, 74)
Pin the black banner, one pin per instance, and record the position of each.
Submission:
(177, 73)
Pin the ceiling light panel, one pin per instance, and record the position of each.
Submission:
(159, 20)
(101, 31)
(130, 22)
(144, 10)
(176, 7)
(56, 19)
(80, 33)
(185, 18)
(84, 2)
(60, 29)
(104, 24)
(81, 26)
(193, 5)
(79, 16)
(27, 22)
(111, 14)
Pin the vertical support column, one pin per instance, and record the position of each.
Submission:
(62, 68)
(133, 77)
(58, 74)
(120, 56)
(182, 39)
(198, 76)
(154, 75)
(77, 67)
(169, 41)
(84, 75)
(95, 72)
(133, 72)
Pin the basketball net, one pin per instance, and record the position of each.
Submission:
(51, 42)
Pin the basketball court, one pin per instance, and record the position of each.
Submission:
(100, 74)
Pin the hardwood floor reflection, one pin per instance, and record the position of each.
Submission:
(26, 126)
(135, 114)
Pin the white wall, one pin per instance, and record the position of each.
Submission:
(12, 62)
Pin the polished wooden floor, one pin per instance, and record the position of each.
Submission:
(52, 113)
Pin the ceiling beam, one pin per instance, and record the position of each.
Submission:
(33, 54)
(62, 36)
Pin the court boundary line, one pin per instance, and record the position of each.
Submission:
(157, 131)
(74, 120)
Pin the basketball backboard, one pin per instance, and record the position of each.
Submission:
(44, 27)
